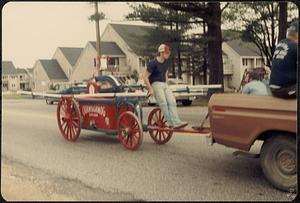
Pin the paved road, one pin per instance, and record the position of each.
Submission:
(97, 167)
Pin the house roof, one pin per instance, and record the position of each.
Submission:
(108, 48)
(244, 48)
(21, 71)
(229, 35)
(30, 70)
(8, 68)
(53, 69)
(71, 53)
(129, 33)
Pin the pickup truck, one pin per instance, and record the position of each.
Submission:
(237, 121)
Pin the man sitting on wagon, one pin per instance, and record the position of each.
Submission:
(283, 77)
(155, 80)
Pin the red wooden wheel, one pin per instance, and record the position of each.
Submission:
(68, 119)
(130, 130)
(156, 118)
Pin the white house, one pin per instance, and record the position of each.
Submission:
(14, 78)
(46, 73)
(85, 66)
(124, 36)
(119, 44)
(237, 55)
(56, 70)
(67, 58)
(30, 74)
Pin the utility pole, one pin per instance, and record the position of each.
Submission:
(98, 57)
(205, 55)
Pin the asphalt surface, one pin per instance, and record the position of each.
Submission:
(98, 167)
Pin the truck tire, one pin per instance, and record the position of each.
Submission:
(278, 162)
(187, 102)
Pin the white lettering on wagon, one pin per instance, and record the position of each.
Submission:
(94, 110)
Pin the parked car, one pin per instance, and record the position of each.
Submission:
(66, 89)
(183, 92)
(238, 120)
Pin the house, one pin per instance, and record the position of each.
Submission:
(239, 56)
(9, 76)
(56, 70)
(47, 72)
(24, 79)
(67, 58)
(120, 44)
(70, 65)
(235, 53)
(14, 79)
(30, 74)
(85, 66)
(125, 36)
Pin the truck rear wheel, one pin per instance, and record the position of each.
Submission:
(278, 162)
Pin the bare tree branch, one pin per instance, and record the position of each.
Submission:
(226, 5)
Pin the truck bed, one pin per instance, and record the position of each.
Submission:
(236, 120)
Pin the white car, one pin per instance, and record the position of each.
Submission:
(182, 91)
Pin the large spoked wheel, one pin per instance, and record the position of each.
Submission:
(130, 130)
(279, 163)
(157, 119)
(68, 119)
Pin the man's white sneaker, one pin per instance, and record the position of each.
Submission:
(181, 125)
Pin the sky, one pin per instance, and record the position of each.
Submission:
(33, 30)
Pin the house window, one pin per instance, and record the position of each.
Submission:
(142, 62)
(259, 62)
(245, 62)
(113, 61)
(21, 77)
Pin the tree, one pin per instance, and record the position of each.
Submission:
(259, 23)
(211, 14)
(282, 20)
(97, 17)
(171, 24)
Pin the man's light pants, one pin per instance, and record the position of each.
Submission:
(166, 101)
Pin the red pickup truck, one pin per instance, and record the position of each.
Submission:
(238, 120)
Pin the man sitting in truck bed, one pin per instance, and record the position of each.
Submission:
(283, 77)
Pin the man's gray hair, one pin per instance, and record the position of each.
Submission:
(293, 29)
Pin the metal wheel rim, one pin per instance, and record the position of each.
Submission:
(286, 162)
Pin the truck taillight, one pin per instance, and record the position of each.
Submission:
(219, 108)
